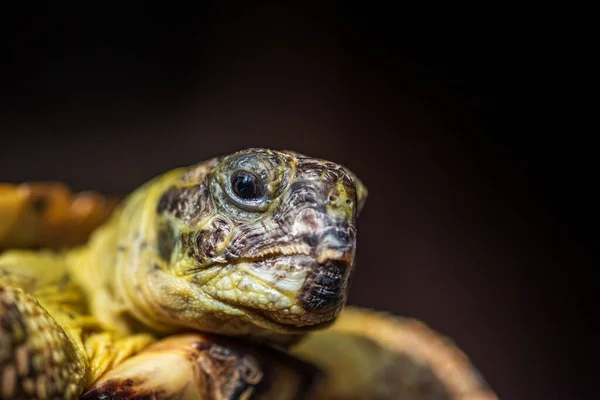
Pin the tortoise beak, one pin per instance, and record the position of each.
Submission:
(325, 287)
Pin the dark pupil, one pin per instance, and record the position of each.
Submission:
(246, 186)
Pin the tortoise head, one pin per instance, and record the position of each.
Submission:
(259, 242)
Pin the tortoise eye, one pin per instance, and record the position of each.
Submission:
(246, 186)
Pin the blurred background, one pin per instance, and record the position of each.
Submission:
(480, 222)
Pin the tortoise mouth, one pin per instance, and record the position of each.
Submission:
(315, 287)
(267, 320)
(319, 255)
(316, 292)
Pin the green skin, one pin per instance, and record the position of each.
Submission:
(259, 243)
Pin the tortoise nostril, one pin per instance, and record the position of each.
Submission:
(312, 240)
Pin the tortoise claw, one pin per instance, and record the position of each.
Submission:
(196, 366)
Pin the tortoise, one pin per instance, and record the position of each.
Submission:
(221, 280)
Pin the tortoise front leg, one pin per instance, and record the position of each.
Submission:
(198, 366)
(37, 358)
(105, 350)
(48, 214)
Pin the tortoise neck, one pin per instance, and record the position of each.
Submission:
(115, 266)
(139, 255)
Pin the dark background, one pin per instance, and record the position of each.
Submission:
(481, 219)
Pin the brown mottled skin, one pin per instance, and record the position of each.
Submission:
(258, 244)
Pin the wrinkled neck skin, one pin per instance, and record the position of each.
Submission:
(120, 269)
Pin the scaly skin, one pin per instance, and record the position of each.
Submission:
(188, 250)
(184, 252)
